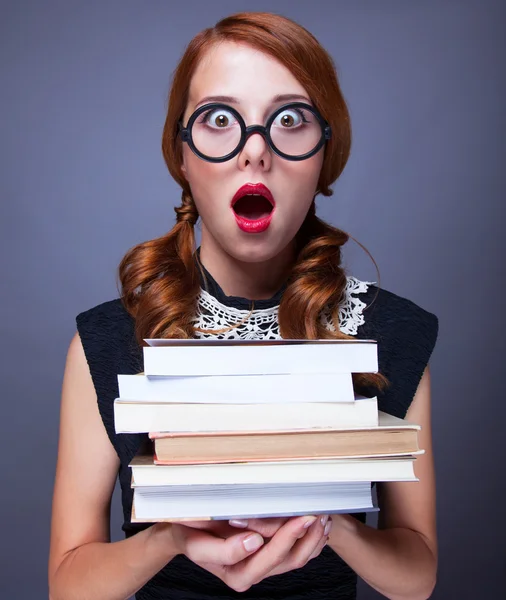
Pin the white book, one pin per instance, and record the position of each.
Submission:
(238, 389)
(193, 357)
(145, 473)
(209, 342)
(145, 417)
(249, 501)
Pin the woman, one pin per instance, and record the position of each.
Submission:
(256, 128)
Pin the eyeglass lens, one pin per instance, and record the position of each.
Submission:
(295, 132)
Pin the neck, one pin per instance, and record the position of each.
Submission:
(251, 280)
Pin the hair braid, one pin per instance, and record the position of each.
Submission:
(317, 284)
(160, 279)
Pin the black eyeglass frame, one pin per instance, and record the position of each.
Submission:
(186, 132)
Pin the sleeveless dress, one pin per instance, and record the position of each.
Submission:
(406, 335)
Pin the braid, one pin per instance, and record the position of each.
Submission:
(160, 279)
(160, 284)
(187, 212)
(317, 283)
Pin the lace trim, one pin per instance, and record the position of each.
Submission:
(262, 324)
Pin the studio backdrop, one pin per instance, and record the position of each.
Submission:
(83, 92)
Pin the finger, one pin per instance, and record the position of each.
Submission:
(265, 527)
(323, 540)
(272, 554)
(318, 550)
(309, 546)
(200, 546)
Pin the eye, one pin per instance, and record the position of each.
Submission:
(289, 119)
(218, 118)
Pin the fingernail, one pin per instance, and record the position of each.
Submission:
(324, 520)
(238, 523)
(309, 522)
(253, 542)
(328, 527)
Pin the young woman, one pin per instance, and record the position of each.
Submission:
(256, 128)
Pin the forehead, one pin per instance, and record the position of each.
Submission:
(233, 69)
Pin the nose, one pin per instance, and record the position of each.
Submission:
(256, 153)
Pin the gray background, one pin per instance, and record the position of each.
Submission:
(83, 93)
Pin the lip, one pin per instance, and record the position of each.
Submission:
(256, 225)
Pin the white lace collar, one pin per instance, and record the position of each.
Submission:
(259, 324)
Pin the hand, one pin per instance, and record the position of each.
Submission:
(297, 541)
(212, 542)
(218, 542)
(266, 527)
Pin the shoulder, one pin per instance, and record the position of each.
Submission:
(108, 321)
(406, 334)
(107, 333)
(105, 313)
(391, 316)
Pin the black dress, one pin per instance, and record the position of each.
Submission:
(406, 335)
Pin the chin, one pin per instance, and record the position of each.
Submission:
(255, 250)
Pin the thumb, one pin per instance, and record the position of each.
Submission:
(204, 547)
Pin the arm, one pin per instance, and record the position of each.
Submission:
(83, 563)
(399, 559)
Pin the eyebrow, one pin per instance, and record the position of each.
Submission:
(233, 100)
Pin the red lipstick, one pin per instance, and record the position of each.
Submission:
(253, 214)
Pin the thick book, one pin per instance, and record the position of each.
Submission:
(201, 502)
(259, 357)
(143, 417)
(238, 389)
(390, 436)
(146, 473)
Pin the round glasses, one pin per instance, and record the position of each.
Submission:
(216, 132)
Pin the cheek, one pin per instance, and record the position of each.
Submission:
(312, 167)
(205, 179)
(303, 176)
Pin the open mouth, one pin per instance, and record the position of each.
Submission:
(253, 207)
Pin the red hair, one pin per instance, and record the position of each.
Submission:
(160, 280)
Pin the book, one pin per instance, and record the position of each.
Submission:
(390, 436)
(143, 417)
(257, 357)
(146, 473)
(201, 502)
(238, 389)
(161, 342)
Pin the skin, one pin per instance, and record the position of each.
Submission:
(399, 559)
(245, 264)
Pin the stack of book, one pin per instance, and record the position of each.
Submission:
(243, 429)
